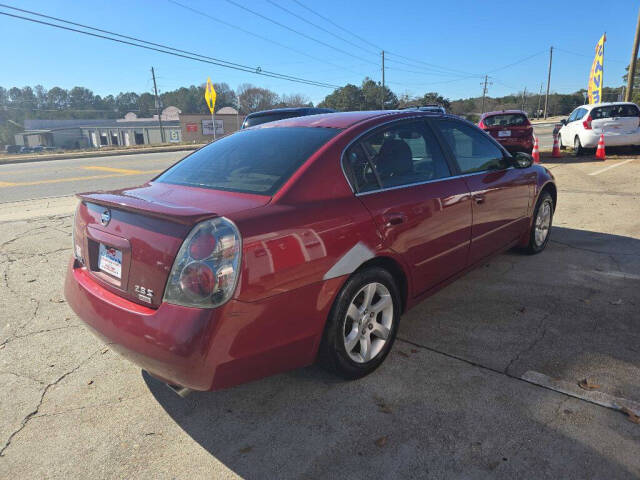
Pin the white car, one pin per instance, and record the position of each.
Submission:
(618, 121)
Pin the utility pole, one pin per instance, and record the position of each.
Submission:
(539, 100)
(155, 89)
(546, 97)
(632, 63)
(383, 91)
(484, 90)
(524, 98)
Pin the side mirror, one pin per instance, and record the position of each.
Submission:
(563, 121)
(522, 160)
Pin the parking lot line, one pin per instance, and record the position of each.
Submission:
(598, 172)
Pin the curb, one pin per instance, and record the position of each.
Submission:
(98, 153)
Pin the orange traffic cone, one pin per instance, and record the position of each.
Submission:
(600, 151)
(535, 153)
(556, 148)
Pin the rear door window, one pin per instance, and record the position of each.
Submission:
(251, 161)
(472, 148)
(404, 154)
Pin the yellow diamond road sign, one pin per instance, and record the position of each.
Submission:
(210, 95)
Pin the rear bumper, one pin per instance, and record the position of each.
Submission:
(206, 349)
(592, 138)
(516, 144)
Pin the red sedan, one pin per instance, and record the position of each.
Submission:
(298, 240)
(509, 127)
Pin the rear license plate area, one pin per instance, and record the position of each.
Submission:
(504, 133)
(110, 260)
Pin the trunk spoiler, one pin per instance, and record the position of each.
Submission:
(185, 215)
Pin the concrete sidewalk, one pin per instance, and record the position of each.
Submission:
(14, 159)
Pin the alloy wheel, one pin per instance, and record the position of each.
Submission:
(543, 222)
(368, 322)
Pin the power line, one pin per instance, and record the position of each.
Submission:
(587, 56)
(300, 17)
(377, 47)
(266, 39)
(169, 50)
(309, 37)
(517, 62)
(338, 26)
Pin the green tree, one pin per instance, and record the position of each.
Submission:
(344, 99)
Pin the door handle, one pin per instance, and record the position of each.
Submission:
(391, 219)
(479, 199)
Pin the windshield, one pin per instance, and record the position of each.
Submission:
(251, 161)
(507, 119)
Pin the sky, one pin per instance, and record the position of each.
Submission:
(442, 46)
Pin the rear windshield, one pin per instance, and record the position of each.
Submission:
(260, 119)
(615, 111)
(251, 161)
(506, 119)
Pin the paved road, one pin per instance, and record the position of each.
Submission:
(54, 178)
(545, 136)
(449, 402)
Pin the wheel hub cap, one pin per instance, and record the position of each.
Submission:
(368, 322)
(543, 223)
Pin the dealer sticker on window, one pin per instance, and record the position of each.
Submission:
(110, 260)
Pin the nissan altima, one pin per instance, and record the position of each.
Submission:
(298, 241)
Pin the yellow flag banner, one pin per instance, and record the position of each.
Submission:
(595, 77)
(210, 95)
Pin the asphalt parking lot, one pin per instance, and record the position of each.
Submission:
(449, 402)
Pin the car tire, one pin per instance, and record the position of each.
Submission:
(541, 224)
(355, 347)
(577, 146)
(562, 147)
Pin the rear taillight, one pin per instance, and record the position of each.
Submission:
(77, 247)
(587, 123)
(206, 269)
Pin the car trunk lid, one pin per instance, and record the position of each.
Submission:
(128, 239)
(617, 119)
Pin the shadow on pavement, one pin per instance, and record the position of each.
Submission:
(569, 312)
(569, 157)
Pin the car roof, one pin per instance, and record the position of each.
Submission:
(347, 119)
(604, 104)
(289, 110)
(500, 112)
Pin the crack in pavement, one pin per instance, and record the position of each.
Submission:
(541, 330)
(584, 249)
(489, 369)
(19, 375)
(86, 407)
(29, 334)
(31, 414)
